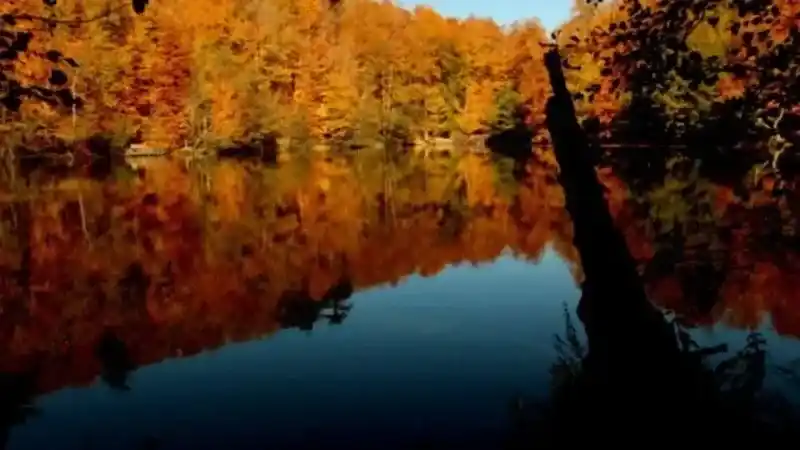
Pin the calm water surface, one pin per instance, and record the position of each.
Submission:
(331, 303)
(422, 360)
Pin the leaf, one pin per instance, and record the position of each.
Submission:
(9, 19)
(22, 41)
(9, 54)
(140, 5)
(57, 78)
(11, 102)
(53, 56)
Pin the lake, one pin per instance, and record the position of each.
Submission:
(350, 301)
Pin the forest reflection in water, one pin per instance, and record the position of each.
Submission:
(99, 277)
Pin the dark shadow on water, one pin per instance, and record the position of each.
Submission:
(299, 310)
(263, 148)
(95, 157)
(513, 142)
(116, 361)
(17, 391)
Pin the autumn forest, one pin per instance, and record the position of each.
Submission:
(227, 71)
(392, 143)
(195, 73)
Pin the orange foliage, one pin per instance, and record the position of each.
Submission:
(215, 70)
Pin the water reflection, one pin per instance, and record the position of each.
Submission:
(101, 277)
(180, 260)
(712, 252)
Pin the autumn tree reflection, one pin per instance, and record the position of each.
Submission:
(301, 311)
(179, 260)
(176, 260)
(711, 251)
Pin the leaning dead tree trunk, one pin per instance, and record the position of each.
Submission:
(611, 275)
(634, 364)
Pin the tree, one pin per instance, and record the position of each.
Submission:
(674, 59)
(17, 31)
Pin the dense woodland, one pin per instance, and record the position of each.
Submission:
(197, 72)
(189, 71)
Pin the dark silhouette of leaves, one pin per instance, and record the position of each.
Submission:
(57, 78)
(12, 102)
(669, 71)
(140, 5)
(21, 42)
(53, 55)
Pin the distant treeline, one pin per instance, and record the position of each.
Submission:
(232, 69)
(202, 71)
